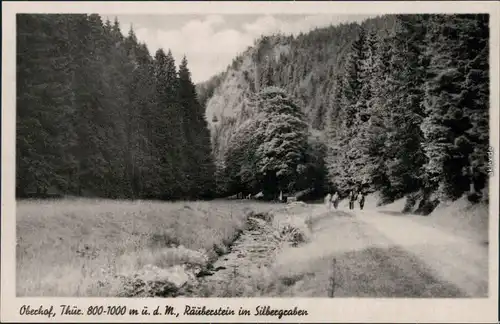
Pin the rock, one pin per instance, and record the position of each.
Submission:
(194, 269)
(177, 275)
(255, 223)
(154, 281)
(220, 249)
(267, 217)
(204, 273)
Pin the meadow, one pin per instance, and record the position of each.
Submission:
(76, 247)
(84, 247)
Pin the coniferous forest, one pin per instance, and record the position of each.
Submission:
(99, 116)
(398, 104)
(401, 103)
(394, 109)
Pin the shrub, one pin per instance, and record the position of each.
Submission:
(293, 235)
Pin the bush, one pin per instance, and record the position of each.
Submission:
(293, 235)
(267, 217)
(474, 197)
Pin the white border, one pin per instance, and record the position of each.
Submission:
(320, 309)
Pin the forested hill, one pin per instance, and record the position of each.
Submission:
(400, 102)
(397, 104)
(97, 115)
(305, 66)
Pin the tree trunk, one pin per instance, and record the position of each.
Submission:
(471, 184)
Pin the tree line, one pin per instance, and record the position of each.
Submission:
(97, 115)
(402, 102)
(414, 109)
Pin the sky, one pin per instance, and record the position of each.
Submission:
(210, 42)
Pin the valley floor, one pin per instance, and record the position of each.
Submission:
(360, 254)
(301, 251)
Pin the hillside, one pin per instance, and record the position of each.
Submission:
(403, 108)
(397, 104)
(306, 66)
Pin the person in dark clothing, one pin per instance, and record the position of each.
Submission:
(361, 199)
(335, 200)
(352, 199)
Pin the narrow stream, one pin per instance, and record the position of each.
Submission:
(252, 251)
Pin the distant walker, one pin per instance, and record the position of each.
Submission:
(361, 200)
(352, 199)
(335, 200)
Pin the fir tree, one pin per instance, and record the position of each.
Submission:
(454, 119)
(201, 169)
(43, 104)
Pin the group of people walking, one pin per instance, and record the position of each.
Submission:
(359, 197)
(332, 199)
(353, 197)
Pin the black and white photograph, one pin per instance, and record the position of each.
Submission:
(258, 155)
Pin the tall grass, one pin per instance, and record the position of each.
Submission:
(77, 247)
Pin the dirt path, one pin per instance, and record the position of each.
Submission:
(453, 258)
(369, 254)
(349, 254)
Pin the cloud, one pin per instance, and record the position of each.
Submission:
(210, 43)
(208, 47)
(265, 25)
(271, 24)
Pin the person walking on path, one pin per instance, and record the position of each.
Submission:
(328, 200)
(361, 200)
(352, 199)
(335, 200)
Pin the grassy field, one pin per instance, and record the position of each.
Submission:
(75, 247)
(83, 247)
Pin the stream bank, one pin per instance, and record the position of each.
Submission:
(239, 270)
